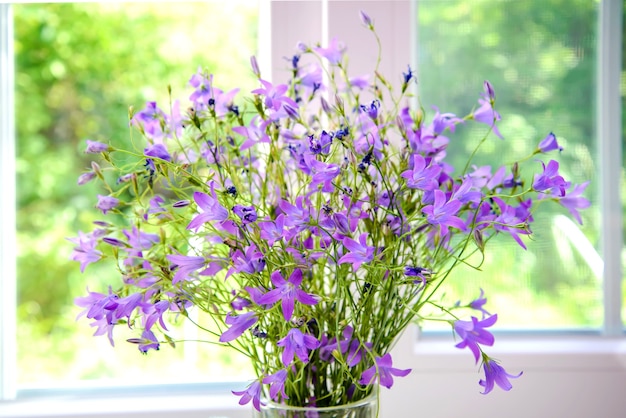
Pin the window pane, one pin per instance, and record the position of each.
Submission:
(540, 56)
(78, 68)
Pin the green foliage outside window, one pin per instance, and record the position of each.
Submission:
(541, 58)
(78, 69)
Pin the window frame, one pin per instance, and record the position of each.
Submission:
(593, 357)
(8, 290)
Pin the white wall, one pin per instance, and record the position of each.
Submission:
(569, 376)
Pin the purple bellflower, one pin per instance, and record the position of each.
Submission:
(295, 215)
(297, 343)
(238, 325)
(212, 210)
(548, 144)
(486, 113)
(479, 303)
(272, 231)
(550, 181)
(473, 333)
(139, 241)
(154, 312)
(333, 53)
(254, 132)
(323, 174)
(509, 221)
(421, 176)
(252, 261)
(157, 151)
(287, 291)
(147, 341)
(329, 345)
(225, 103)
(251, 393)
(443, 213)
(371, 110)
(320, 145)
(466, 192)
(203, 93)
(359, 253)
(85, 251)
(313, 78)
(247, 214)
(574, 201)
(184, 266)
(384, 370)
(150, 119)
(356, 351)
(274, 96)
(101, 309)
(420, 273)
(361, 82)
(494, 373)
(277, 384)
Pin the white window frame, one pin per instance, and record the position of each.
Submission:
(574, 375)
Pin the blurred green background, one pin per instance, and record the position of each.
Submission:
(80, 66)
(78, 69)
(540, 56)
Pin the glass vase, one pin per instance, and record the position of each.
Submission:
(365, 408)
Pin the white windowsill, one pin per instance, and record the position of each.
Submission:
(537, 352)
(549, 354)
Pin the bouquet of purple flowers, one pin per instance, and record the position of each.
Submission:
(312, 221)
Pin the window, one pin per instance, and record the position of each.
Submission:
(78, 68)
(541, 59)
(554, 365)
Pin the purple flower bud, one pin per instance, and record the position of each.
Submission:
(106, 203)
(86, 177)
(408, 76)
(115, 242)
(367, 21)
(125, 178)
(294, 61)
(293, 113)
(181, 204)
(489, 90)
(325, 106)
(255, 66)
(95, 147)
(339, 102)
(95, 168)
